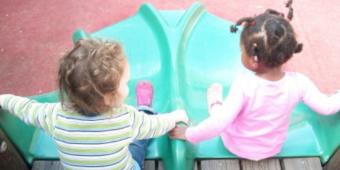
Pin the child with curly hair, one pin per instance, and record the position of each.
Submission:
(92, 127)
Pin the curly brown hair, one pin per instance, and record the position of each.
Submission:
(92, 69)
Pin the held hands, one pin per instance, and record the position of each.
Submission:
(178, 132)
(214, 95)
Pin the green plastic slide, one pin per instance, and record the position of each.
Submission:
(182, 53)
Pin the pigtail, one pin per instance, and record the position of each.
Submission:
(290, 14)
(290, 11)
(248, 20)
(298, 48)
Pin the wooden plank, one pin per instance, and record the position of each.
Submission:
(267, 164)
(47, 164)
(150, 164)
(9, 157)
(56, 165)
(196, 165)
(220, 164)
(301, 164)
(161, 167)
(334, 162)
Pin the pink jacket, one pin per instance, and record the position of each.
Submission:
(254, 118)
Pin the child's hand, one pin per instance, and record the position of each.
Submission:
(181, 116)
(178, 132)
(214, 95)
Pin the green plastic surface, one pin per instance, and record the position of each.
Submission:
(182, 53)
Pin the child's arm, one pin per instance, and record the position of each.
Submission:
(29, 111)
(220, 115)
(149, 126)
(214, 97)
(316, 100)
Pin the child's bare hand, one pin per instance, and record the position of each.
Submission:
(215, 94)
(178, 132)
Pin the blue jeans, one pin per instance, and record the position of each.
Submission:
(138, 147)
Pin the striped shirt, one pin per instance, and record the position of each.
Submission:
(99, 142)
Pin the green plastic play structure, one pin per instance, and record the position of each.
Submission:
(181, 53)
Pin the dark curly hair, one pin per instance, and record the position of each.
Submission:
(269, 36)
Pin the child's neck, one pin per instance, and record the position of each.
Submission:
(271, 74)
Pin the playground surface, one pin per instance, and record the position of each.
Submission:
(43, 31)
(35, 34)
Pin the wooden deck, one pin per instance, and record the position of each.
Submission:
(10, 159)
(222, 164)
(306, 163)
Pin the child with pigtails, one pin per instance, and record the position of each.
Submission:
(253, 120)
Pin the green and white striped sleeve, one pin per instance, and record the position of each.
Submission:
(146, 126)
(31, 112)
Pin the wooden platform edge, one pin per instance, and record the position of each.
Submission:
(304, 163)
(334, 161)
(56, 165)
(9, 157)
